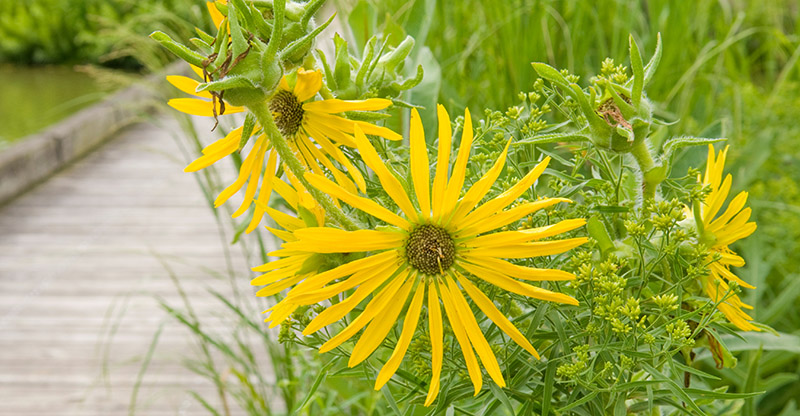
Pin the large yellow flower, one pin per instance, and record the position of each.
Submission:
(431, 252)
(300, 119)
(721, 232)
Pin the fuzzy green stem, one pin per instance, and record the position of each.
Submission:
(650, 172)
(264, 116)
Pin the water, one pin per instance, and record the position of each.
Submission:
(33, 98)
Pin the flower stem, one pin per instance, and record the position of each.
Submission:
(652, 174)
(264, 116)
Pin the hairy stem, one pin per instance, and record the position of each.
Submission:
(264, 116)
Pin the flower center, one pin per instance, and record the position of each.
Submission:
(288, 112)
(430, 249)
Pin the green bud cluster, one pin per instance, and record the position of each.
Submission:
(378, 72)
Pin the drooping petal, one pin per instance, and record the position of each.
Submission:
(475, 334)
(256, 153)
(437, 345)
(322, 279)
(221, 148)
(377, 330)
(379, 272)
(473, 369)
(337, 311)
(409, 326)
(723, 272)
(264, 193)
(504, 282)
(380, 302)
(487, 306)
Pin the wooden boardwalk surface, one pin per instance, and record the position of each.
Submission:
(82, 260)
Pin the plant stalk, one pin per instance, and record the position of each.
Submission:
(651, 175)
(264, 117)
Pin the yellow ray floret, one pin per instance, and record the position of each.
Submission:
(726, 229)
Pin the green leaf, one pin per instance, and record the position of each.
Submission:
(652, 65)
(551, 74)
(638, 72)
(677, 390)
(676, 143)
(549, 381)
(323, 374)
(501, 396)
(598, 231)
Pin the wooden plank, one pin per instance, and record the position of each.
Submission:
(82, 254)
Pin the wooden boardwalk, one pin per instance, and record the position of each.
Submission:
(82, 260)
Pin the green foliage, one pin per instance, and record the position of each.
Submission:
(90, 31)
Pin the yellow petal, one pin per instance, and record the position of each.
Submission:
(338, 136)
(286, 192)
(187, 85)
(337, 311)
(491, 311)
(715, 199)
(723, 272)
(442, 162)
(437, 346)
(503, 200)
(379, 271)
(346, 269)
(480, 188)
(504, 238)
(374, 307)
(734, 207)
(215, 14)
(334, 240)
(264, 193)
(308, 83)
(420, 170)
(283, 219)
(222, 148)
(348, 126)
(380, 326)
(198, 107)
(504, 282)
(456, 181)
(367, 205)
(331, 106)
(525, 250)
(389, 182)
(337, 155)
(504, 218)
(244, 171)
(252, 186)
(277, 287)
(456, 324)
(520, 272)
(475, 334)
(409, 326)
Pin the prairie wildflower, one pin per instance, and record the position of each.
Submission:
(300, 119)
(719, 232)
(430, 253)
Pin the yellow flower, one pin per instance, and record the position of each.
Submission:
(431, 252)
(215, 14)
(300, 119)
(721, 232)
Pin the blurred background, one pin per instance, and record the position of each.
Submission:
(729, 69)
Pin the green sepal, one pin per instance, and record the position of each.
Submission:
(201, 45)
(341, 67)
(311, 9)
(307, 216)
(221, 44)
(638, 72)
(204, 36)
(370, 116)
(247, 129)
(626, 109)
(676, 143)
(553, 138)
(298, 49)
(366, 60)
(178, 49)
(652, 64)
(238, 41)
(226, 83)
